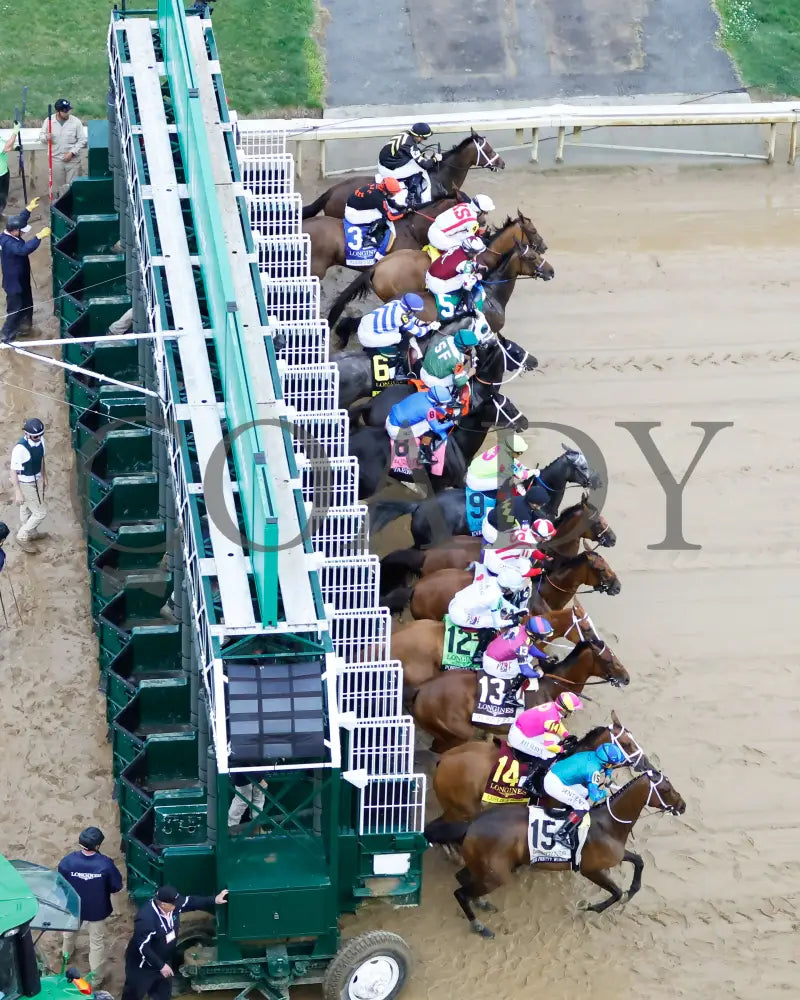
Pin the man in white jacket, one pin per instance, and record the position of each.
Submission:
(68, 136)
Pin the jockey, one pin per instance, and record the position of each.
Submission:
(402, 158)
(512, 654)
(487, 605)
(468, 218)
(393, 324)
(457, 272)
(450, 363)
(489, 470)
(537, 733)
(427, 416)
(575, 781)
(375, 208)
(523, 552)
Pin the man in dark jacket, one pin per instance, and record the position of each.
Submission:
(150, 957)
(95, 878)
(14, 254)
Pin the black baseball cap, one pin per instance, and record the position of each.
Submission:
(167, 894)
(62, 104)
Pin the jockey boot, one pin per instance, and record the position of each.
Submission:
(565, 835)
(414, 185)
(425, 453)
(536, 768)
(485, 636)
(513, 686)
(377, 231)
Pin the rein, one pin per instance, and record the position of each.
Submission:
(653, 788)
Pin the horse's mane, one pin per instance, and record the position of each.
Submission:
(570, 562)
(571, 656)
(578, 748)
(458, 146)
(619, 791)
(569, 511)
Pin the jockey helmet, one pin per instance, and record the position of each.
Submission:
(440, 395)
(483, 203)
(421, 130)
(568, 702)
(610, 753)
(518, 444)
(465, 338)
(538, 627)
(4, 531)
(473, 244)
(412, 302)
(544, 528)
(391, 185)
(33, 425)
(509, 579)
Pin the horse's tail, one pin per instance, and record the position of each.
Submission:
(345, 330)
(442, 831)
(317, 206)
(386, 511)
(396, 600)
(358, 289)
(398, 564)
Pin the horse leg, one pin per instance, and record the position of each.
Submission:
(470, 892)
(601, 879)
(638, 867)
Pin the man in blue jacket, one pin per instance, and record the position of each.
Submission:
(15, 261)
(151, 955)
(95, 878)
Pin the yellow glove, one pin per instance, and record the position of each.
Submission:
(32, 204)
(43, 233)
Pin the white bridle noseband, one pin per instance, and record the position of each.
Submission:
(483, 157)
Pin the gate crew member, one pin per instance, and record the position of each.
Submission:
(15, 258)
(29, 479)
(151, 955)
(95, 878)
(69, 138)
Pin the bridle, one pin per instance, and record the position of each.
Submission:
(653, 788)
(597, 680)
(507, 361)
(602, 586)
(635, 759)
(484, 160)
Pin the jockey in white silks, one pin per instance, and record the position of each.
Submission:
(489, 604)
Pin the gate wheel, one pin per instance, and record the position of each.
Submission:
(372, 966)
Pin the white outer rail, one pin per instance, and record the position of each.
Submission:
(555, 116)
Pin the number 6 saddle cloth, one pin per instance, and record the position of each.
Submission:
(542, 827)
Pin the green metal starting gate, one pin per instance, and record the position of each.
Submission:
(242, 649)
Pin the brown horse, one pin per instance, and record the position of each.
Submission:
(461, 774)
(496, 843)
(474, 151)
(511, 254)
(327, 236)
(420, 645)
(443, 707)
(581, 521)
(431, 597)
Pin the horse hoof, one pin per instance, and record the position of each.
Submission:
(481, 929)
(485, 905)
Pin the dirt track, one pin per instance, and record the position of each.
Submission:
(673, 302)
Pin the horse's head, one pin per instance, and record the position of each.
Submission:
(507, 415)
(532, 264)
(635, 757)
(530, 234)
(597, 528)
(499, 360)
(485, 155)
(579, 471)
(600, 575)
(663, 795)
(607, 665)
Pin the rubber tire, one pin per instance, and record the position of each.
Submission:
(355, 952)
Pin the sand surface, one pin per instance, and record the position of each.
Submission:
(674, 302)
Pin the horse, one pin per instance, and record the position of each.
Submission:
(581, 521)
(419, 646)
(437, 518)
(449, 175)
(498, 360)
(443, 706)
(461, 775)
(488, 409)
(328, 243)
(496, 843)
(404, 271)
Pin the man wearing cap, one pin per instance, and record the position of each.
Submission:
(151, 955)
(95, 878)
(14, 260)
(29, 479)
(5, 174)
(68, 137)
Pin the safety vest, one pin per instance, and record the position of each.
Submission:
(33, 466)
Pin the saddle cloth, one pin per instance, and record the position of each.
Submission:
(542, 845)
(359, 249)
(459, 646)
(401, 468)
(383, 373)
(492, 708)
(507, 772)
(478, 506)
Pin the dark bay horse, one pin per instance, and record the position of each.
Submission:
(438, 518)
(461, 775)
(581, 521)
(474, 151)
(419, 646)
(496, 843)
(443, 707)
